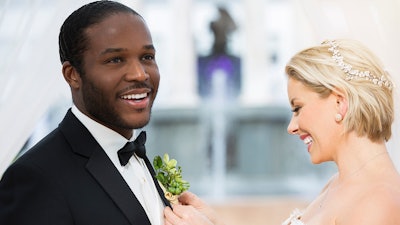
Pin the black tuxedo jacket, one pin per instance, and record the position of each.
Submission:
(67, 178)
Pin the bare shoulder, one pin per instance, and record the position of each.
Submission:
(379, 204)
(384, 194)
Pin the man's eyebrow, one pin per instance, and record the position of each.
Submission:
(149, 47)
(114, 50)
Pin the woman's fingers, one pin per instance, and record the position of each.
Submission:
(184, 215)
(188, 198)
(170, 217)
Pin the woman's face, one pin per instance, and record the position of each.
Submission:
(313, 120)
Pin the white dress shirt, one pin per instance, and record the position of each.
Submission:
(135, 172)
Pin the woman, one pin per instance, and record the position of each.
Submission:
(342, 103)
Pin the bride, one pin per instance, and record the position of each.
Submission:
(343, 109)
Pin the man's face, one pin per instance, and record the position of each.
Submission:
(121, 75)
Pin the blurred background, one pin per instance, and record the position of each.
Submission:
(222, 107)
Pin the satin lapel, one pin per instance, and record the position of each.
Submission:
(102, 169)
(109, 178)
(153, 175)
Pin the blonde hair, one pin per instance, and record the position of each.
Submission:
(370, 106)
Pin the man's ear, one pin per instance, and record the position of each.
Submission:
(341, 102)
(71, 75)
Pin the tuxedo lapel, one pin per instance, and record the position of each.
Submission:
(159, 189)
(109, 178)
(102, 169)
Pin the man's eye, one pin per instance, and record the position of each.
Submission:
(115, 60)
(148, 57)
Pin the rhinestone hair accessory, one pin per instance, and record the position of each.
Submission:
(352, 73)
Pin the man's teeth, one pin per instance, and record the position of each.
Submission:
(134, 96)
(308, 140)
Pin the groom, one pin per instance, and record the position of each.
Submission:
(74, 176)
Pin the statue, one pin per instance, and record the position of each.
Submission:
(220, 61)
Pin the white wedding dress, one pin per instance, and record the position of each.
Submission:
(294, 218)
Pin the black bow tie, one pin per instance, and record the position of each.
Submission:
(137, 146)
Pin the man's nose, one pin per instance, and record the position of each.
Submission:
(137, 71)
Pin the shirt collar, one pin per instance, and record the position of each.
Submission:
(107, 138)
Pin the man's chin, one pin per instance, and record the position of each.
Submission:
(137, 123)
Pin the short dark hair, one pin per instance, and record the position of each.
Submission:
(72, 39)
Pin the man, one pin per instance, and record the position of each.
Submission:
(74, 175)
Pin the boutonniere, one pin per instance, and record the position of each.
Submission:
(169, 175)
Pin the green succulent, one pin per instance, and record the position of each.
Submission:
(169, 175)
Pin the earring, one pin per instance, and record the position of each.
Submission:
(338, 117)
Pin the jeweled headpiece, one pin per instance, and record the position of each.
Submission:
(354, 74)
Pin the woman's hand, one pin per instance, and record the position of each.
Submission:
(185, 215)
(191, 211)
